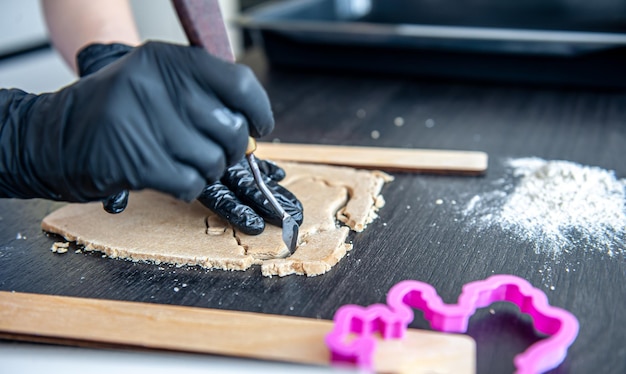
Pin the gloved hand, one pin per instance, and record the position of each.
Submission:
(159, 117)
(237, 199)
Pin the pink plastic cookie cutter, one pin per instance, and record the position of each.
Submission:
(392, 320)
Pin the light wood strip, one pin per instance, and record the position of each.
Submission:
(389, 159)
(80, 321)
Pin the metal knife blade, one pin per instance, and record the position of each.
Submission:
(289, 225)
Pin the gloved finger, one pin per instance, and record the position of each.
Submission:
(95, 56)
(227, 129)
(166, 174)
(239, 179)
(288, 201)
(250, 99)
(273, 174)
(223, 202)
(116, 203)
(271, 170)
(236, 86)
(195, 150)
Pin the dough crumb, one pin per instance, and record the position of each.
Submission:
(60, 247)
(379, 201)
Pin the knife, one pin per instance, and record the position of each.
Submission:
(204, 26)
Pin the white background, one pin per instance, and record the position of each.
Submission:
(22, 27)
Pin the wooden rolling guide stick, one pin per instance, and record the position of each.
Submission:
(106, 323)
(388, 159)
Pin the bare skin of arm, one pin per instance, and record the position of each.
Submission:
(73, 24)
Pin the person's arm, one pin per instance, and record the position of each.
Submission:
(92, 34)
(74, 24)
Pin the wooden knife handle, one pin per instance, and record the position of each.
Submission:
(204, 25)
(251, 145)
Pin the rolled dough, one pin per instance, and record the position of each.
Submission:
(160, 229)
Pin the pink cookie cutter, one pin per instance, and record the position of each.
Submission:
(392, 320)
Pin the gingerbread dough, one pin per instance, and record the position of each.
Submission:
(160, 229)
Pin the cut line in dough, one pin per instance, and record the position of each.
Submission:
(160, 229)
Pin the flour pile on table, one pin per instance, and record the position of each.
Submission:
(556, 205)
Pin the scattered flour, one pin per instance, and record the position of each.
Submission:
(556, 205)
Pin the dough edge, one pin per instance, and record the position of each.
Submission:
(356, 221)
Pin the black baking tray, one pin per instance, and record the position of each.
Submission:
(565, 42)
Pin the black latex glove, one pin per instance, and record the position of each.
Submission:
(237, 199)
(89, 60)
(94, 57)
(157, 118)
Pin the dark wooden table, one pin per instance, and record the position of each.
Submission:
(428, 241)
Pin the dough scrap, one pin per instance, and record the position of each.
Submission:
(60, 247)
(160, 229)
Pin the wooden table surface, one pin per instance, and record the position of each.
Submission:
(414, 238)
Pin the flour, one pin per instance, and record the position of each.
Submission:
(557, 206)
